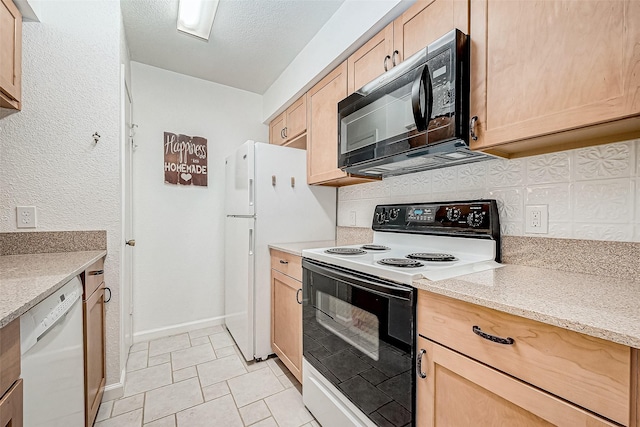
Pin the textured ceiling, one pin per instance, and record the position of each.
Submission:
(251, 43)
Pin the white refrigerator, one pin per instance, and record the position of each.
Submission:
(267, 200)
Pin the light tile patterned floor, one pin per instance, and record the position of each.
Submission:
(199, 379)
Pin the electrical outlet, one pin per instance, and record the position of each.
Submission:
(352, 218)
(537, 219)
(26, 216)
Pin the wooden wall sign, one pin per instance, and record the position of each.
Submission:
(185, 159)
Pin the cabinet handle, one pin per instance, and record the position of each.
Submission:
(506, 341)
(386, 58)
(106, 300)
(282, 133)
(393, 57)
(472, 128)
(96, 272)
(419, 363)
(284, 262)
(285, 132)
(298, 293)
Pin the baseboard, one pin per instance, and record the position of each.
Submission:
(181, 328)
(115, 391)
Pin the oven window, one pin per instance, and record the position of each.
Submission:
(354, 325)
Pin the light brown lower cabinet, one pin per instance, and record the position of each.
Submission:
(10, 382)
(11, 406)
(94, 340)
(286, 311)
(458, 391)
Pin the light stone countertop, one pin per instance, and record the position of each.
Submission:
(25, 280)
(598, 306)
(297, 248)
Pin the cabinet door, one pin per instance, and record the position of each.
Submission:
(11, 406)
(10, 55)
(296, 118)
(543, 67)
(9, 355)
(94, 348)
(426, 21)
(286, 321)
(371, 60)
(276, 130)
(458, 391)
(322, 135)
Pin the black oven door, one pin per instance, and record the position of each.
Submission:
(358, 332)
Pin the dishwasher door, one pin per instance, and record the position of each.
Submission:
(53, 360)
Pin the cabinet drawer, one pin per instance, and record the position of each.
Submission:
(590, 372)
(286, 263)
(11, 406)
(9, 355)
(93, 277)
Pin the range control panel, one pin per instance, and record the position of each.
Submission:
(476, 217)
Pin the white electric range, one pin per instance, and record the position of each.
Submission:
(359, 306)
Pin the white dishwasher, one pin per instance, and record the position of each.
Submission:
(51, 341)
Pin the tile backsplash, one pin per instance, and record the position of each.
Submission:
(592, 193)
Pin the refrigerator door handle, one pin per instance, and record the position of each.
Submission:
(251, 242)
(250, 192)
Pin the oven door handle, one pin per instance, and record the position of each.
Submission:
(386, 289)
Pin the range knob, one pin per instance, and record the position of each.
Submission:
(453, 214)
(474, 219)
(381, 217)
(393, 214)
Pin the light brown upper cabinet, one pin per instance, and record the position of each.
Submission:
(553, 75)
(10, 55)
(290, 127)
(322, 132)
(420, 25)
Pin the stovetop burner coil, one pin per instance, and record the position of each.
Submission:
(432, 257)
(400, 262)
(375, 247)
(345, 251)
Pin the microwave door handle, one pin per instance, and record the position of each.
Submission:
(422, 98)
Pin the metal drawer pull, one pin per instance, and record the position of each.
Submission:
(419, 363)
(284, 262)
(384, 64)
(96, 272)
(506, 341)
(472, 128)
(105, 291)
(298, 292)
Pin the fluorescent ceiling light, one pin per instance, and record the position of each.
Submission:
(196, 17)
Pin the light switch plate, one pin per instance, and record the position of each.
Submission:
(352, 218)
(26, 217)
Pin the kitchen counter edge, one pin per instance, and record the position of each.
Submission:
(22, 285)
(296, 248)
(597, 306)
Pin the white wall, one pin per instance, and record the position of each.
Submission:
(592, 193)
(179, 253)
(355, 22)
(48, 159)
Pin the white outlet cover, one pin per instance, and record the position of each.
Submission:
(531, 219)
(352, 218)
(26, 217)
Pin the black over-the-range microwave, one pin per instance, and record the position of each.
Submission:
(414, 117)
